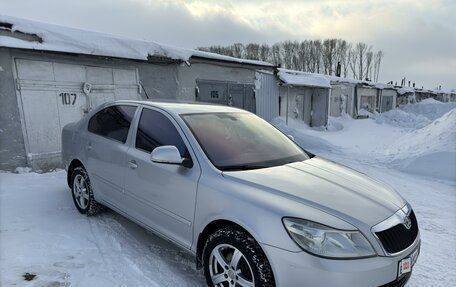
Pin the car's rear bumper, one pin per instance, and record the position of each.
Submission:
(303, 269)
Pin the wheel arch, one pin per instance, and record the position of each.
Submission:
(74, 164)
(211, 228)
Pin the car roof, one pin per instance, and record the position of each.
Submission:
(180, 108)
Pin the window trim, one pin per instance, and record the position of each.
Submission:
(133, 120)
(173, 121)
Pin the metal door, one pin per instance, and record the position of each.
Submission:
(307, 115)
(367, 103)
(212, 92)
(236, 96)
(249, 98)
(336, 105)
(387, 103)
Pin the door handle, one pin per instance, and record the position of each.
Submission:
(88, 146)
(132, 163)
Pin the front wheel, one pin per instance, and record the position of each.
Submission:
(232, 258)
(82, 192)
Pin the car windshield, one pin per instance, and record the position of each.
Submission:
(241, 141)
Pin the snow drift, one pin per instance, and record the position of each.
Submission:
(429, 151)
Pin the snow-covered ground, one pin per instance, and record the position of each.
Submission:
(413, 149)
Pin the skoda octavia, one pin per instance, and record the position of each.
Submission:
(252, 206)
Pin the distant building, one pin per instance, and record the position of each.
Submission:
(304, 96)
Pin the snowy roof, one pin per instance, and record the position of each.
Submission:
(298, 78)
(405, 90)
(417, 90)
(381, 86)
(49, 37)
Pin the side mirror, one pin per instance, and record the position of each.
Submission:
(166, 154)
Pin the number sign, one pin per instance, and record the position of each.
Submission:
(68, 99)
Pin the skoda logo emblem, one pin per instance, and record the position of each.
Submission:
(407, 222)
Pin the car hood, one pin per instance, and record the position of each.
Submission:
(327, 186)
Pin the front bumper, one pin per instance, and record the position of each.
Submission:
(293, 269)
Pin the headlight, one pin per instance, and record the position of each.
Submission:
(325, 241)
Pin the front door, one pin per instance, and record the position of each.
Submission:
(159, 195)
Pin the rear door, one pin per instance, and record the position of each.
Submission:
(106, 148)
(161, 195)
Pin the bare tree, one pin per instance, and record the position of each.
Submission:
(346, 59)
(340, 55)
(275, 54)
(238, 50)
(315, 56)
(369, 65)
(328, 55)
(353, 61)
(377, 61)
(252, 51)
(264, 52)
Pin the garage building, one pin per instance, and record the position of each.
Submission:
(304, 96)
(52, 75)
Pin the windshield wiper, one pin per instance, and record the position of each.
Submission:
(242, 167)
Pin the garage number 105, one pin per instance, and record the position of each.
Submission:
(68, 98)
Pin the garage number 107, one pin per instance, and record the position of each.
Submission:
(68, 98)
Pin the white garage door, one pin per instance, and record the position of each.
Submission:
(53, 94)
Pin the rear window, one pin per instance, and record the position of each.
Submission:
(112, 122)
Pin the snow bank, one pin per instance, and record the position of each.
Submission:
(417, 115)
(302, 136)
(64, 39)
(429, 151)
(417, 138)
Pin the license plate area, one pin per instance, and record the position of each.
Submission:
(406, 264)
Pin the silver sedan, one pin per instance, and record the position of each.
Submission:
(252, 206)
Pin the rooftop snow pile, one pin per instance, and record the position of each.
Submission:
(303, 79)
(63, 39)
(405, 90)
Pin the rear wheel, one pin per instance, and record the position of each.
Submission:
(232, 258)
(82, 192)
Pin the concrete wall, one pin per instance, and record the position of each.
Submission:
(201, 70)
(12, 147)
(158, 80)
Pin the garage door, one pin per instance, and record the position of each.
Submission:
(227, 93)
(54, 94)
(387, 103)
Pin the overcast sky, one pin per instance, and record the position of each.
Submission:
(418, 37)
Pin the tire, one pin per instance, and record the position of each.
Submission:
(82, 192)
(245, 263)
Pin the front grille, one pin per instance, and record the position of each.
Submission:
(399, 282)
(398, 237)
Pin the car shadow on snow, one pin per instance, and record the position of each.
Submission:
(156, 253)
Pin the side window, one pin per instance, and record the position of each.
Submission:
(156, 130)
(112, 122)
